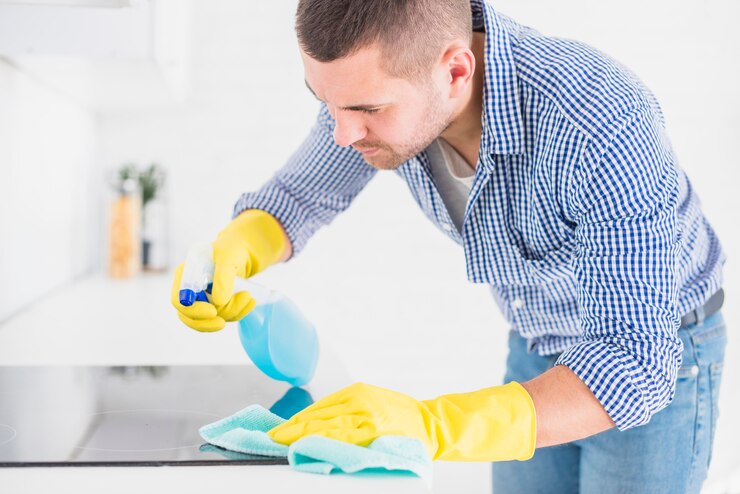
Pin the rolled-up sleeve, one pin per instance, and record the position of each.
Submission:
(319, 181)
(624, 199)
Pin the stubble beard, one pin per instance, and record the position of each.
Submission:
(432, 125)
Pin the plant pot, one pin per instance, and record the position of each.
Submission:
(146, 247)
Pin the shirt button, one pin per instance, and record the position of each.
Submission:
(694, 370)
(517, 303)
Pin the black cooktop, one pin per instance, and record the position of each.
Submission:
(137, 415)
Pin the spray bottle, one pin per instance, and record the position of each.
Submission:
(280, 341)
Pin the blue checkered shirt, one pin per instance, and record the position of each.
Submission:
(579, 218)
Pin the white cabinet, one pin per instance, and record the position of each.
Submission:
(131, 55)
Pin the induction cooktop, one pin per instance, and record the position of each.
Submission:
(130, 415)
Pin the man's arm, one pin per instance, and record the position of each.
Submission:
(624, 202)
(566, 408)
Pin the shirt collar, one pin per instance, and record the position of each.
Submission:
(503, 129)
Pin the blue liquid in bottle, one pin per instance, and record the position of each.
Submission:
(280, 341)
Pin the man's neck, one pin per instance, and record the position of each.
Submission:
(465, 131)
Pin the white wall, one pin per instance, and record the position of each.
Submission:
(381, 282)
(48, 230)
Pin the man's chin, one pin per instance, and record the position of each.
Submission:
(381, 162)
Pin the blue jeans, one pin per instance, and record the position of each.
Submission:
(670, 454)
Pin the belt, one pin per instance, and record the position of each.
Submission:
(710, 307)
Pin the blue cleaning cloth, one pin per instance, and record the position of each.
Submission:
(246, 432)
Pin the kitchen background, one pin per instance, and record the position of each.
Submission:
(212, 92)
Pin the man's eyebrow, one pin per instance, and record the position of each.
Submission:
(351, 108)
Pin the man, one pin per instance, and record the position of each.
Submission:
(548, 162)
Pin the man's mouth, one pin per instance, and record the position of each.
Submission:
(368, 151)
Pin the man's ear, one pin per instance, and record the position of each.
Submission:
(459, 64)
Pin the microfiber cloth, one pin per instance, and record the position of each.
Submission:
(246, 432)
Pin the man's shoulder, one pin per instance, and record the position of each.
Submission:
(586, 85)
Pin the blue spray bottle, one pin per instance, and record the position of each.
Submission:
(275, 335)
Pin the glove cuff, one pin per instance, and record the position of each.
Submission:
(263, 237)
(492, 424)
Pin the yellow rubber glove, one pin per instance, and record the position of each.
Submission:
(253, 241)
(492, 424)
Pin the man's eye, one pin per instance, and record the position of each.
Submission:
(369, 110)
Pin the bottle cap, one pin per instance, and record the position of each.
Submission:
(187, 297)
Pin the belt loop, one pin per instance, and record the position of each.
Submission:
(700, 315)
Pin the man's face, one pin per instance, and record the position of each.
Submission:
(387, 119)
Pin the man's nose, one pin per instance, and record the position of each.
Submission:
(349, 128)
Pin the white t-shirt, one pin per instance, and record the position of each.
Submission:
(453, 177)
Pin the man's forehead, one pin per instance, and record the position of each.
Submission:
(361, 66)
(356, 80)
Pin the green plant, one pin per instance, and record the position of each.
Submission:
(151, 180)
(127, 171)
(124, 175)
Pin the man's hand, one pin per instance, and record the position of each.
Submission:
(206, 317)
(253, 241)
(493, 424)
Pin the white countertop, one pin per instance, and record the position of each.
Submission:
(98, 321)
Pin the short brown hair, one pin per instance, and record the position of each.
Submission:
(410, 33)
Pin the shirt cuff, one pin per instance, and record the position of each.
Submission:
(626, 390)
(275, 200)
